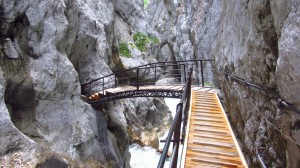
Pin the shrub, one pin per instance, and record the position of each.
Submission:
(141, 40)
(146, 2)
(209, 84)
(154, 40)
(124, 50)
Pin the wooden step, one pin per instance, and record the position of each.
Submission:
(206, 108)
(210, 142)
(212, 161)
(217, 111)
(207, 119)
(213, 152)
(212, 115)
(209, 131)
(224, 158)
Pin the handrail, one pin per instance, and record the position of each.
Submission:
(281, 102)
(111, 74)
(113, 79)
(178, 123)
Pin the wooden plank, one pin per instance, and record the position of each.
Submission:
(214, 148)
(212, 136)
(210, 142)
(213, 152)
(213, 161)
(229, 159)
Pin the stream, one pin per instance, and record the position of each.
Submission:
(147, 157)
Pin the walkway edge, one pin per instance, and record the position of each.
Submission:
(232, 133)
(184, 149)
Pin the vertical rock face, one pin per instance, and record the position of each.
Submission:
(247, 45)
(47, 49)
(50, 47)
(257, 41)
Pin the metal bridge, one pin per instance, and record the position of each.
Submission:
(200, 127)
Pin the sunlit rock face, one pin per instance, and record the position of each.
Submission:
(256, 40)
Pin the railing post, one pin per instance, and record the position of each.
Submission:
(90, 88)
(103, 86)
(137, 79)
(170, 135)
(186, 105)
(176, 137)
(154, 73)
(184, 72)
(202, 76)
(116, 81)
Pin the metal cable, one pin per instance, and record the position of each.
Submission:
(268, 91)
(276, 128)
(279, 130)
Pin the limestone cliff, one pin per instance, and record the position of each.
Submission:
(47, 49)
(257, 41)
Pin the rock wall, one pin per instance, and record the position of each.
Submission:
(257, 41)
(252, 44)
(47, 48)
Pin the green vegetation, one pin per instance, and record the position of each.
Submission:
(146, 2)
(141, 40)
(154, 40)
(208, 84)
(124, 50)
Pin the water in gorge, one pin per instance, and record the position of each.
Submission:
(147, 157)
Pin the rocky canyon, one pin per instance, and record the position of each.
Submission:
(49, 47)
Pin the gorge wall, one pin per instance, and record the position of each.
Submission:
(49, 47)
(257, 41)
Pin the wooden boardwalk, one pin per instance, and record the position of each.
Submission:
(210, 141)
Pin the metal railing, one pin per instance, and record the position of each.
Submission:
(280, 101)
(179, 123)
(149, 74)
(180, 71)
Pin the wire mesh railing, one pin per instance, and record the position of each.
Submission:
(169, 73)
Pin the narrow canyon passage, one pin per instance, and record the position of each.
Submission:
(50, 48)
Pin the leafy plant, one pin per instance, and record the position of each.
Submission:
(154, 40)
(124, 50)
(209, 84)
(146, 2)
(141, 40)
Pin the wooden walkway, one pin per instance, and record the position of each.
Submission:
(210, 141)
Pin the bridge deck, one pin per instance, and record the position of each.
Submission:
(124, 88)
(145, 87)
(210, 141)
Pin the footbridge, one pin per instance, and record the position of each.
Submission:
(200, 135)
